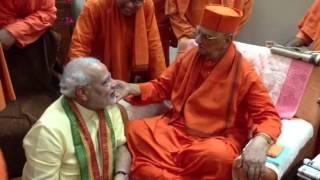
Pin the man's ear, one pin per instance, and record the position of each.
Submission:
(228, 40)
(81, 94)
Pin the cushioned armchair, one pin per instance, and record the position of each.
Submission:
(308, 113)
(299, 133)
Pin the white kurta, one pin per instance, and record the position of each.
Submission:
(49, 146)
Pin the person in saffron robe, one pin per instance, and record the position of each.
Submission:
(218, 104)
(81, 134)
(165, 30)
(185, 15)
(309, 29)
(24, 28)
(123, 34)
(29, 48)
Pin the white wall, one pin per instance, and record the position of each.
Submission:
(274, 20)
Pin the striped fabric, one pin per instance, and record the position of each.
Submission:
(83, 144)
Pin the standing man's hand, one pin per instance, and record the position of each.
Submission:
(254, 156)
(296, 42)
(6, 39)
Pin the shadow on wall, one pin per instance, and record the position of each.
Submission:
(274, 20)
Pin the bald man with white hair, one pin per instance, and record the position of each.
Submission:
(81, 134)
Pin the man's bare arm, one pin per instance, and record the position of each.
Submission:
(123, 162)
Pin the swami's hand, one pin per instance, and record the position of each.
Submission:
(6, 39)
(123, 89)
(254, 157)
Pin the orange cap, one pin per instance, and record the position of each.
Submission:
(220, 18)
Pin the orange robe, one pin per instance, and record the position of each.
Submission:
(27, 20)
(310, 26)
(6, 88)
(124, 44)
(3, 169)
(214, 106)
(185, 15)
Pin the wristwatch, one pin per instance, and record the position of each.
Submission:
(121, 172)
(266, 137)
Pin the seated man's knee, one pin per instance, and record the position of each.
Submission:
(220, 150)
(211, 151)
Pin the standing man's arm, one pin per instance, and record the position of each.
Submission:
(180, 25)
(301, 39)
(44, 152)
(85, 31)
(28, 29)
(156, 56)
(307, 27)
(182, 28)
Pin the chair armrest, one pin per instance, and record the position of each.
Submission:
(238, 174)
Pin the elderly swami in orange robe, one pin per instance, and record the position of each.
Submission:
(186, 14)
(123, 34)
(218, 103)
(309, 29)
